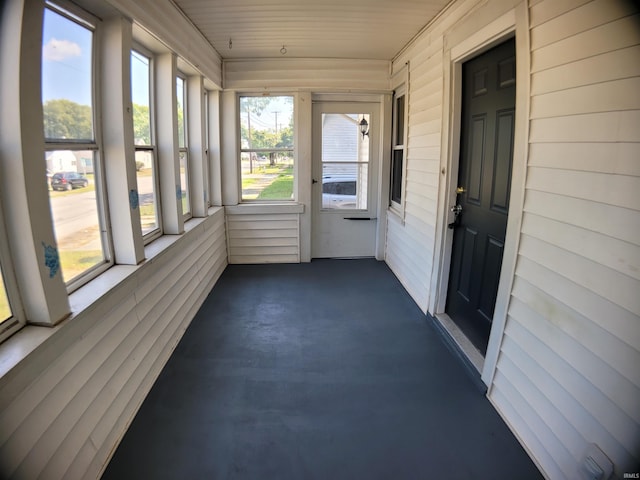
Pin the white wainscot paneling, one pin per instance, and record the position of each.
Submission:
(73, 398)
(263, 237)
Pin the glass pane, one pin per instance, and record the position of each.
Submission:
(266, 132)
(5, 308)
(267, 175)
(396, 176)
(345, 157)
(141, 98)
(180, 97)
(66, 79)
(147, 201)
(344, 186)
(341, 138)
(400, 120)
(184, 182)
(74, 207)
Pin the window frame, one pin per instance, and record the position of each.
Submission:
(184, 150)
(241, 150)
(17, 319)
(401, 89)
(152, 148)
(89, 21)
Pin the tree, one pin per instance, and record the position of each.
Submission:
(141, 126)
(64, 119)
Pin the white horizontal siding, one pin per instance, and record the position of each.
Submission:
(410, 243)
(67, 420)
(263, 238)
(296, 73)
(567, 372)
(567, 375)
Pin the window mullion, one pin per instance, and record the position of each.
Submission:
(119, 167)
(167, 143)
(196, 144)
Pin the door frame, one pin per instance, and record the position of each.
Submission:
(458, 50)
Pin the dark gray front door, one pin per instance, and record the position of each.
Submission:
(484, 180)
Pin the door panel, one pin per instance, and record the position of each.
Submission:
(344, 180)
(484, 173)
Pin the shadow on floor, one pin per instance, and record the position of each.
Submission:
(325, 370)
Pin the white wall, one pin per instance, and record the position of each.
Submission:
(567, 366)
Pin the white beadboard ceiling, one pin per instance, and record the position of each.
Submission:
(366, 29)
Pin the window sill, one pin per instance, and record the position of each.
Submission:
(117, 280)
(397, 213)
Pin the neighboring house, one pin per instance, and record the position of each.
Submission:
(563, 353)
(61, 161)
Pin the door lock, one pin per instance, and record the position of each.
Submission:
(457, 210)
(460, 190)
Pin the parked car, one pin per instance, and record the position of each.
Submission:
(68, 181)
(339, 192)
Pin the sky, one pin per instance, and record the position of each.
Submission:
(66, 59)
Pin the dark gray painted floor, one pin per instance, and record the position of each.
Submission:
(325, 370)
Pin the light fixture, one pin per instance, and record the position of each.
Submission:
(283, 50)
(364, 127)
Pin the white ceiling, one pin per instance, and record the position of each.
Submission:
(367, 29)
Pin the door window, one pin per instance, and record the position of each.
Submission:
(345, 161)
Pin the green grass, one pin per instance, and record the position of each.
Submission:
(280, 189)
(75, 262)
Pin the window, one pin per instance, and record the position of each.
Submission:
(181, 94)
(398, 148)
(72, 154)
(5, 307)
(345, 161)
(143, 133)
(266, 148)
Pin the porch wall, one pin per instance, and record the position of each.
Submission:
(567, 371)
(66, 407)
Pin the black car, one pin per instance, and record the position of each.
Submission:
(68, 181)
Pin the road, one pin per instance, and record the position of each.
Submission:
(75, 217)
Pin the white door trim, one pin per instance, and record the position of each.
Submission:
(514, 21)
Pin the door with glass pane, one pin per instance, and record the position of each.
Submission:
(344, 186)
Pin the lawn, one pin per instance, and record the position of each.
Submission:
(75, 262)
(280, 189)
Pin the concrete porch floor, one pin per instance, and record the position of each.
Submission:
(325, 370)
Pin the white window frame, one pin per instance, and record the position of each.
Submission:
(184, 150)
(158, 231)
(400, 85)
(86, 20)
(17, 319)
(241, 150)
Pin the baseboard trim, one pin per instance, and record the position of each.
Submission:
(469, 356)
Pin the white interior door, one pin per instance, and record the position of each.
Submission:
(344, 187)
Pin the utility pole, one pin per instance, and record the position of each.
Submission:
(249, 137)
(276, 114)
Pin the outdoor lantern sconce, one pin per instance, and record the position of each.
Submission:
(364, 128)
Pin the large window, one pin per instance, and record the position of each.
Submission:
(143, 133)
(266, 158)
(183, 152)
(72, 153)
(398, 148)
